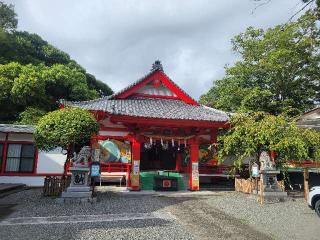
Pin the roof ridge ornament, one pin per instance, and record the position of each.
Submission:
(157, 66)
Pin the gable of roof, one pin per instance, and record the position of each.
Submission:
(159, 79)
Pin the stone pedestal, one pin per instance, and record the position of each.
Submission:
(270, 185)
(79, 190)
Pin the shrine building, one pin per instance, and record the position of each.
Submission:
(152, 130)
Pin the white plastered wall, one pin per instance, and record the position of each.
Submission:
(51, 162)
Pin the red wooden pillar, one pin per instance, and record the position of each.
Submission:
(4, 157)
(135, 173)
(273, 156)
(214, 135)
(93, 140)
(194, 166)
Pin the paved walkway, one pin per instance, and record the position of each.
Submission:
(5, 187)
(85, 218)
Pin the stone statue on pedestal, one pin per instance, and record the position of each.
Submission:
(79, 189)
(268, 176)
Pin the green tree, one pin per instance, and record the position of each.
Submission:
(29, 87)
(40, 87)
(29, 48)
(256, 132)
(64, 128)
(278, 70)
(31, 116)
(68, 83)
(8, 18)
(101, 88)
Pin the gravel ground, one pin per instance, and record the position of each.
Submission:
(291, 219)
(30, 203)
(209, 215)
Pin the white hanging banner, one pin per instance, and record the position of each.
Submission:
(136, 167)
(195, 171)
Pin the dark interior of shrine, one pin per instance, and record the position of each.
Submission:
(157, 156)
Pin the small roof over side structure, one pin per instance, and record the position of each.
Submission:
(310, 119)
(14, 128)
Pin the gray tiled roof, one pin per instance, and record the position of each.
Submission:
(13, 128)
(153, 108)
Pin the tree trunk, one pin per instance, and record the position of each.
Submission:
(69, 157)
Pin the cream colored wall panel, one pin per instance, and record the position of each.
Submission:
(21, 137)
(2, 136)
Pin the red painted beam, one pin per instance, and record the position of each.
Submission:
(154, 96)
(102, 128)
(128, 138)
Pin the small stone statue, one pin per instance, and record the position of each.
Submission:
(266, 162)
(82, 158)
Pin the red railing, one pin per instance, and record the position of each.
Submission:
(115, 167)
(110, 167)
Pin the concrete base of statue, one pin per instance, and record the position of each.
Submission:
(79, 191)
(271, 189)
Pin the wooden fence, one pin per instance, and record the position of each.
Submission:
(54, 186)
(248, 185)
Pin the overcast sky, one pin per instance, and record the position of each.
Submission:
(117, 41)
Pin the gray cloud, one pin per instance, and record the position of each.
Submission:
(118, 40)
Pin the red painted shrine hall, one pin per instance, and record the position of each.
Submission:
(153, 130)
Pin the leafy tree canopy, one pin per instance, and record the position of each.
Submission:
(64, 128)
(35, 74)
(8, 18)
(278, 70)
(256, 132)
(39, 87)
(30, 116)
(27, 48)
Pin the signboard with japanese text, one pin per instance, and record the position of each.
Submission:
(95, 170)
